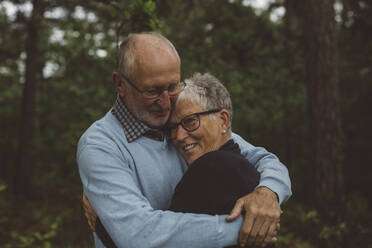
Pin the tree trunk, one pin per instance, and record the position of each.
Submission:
(324, 108)
(33, 71)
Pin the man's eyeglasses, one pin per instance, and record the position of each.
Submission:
(190, 123)
(173, 89)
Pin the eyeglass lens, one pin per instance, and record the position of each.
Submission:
(173, 89)
(189, 123)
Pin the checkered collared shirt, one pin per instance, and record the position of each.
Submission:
(133, 128)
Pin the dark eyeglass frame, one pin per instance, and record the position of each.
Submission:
(174, 127)
(150, 94)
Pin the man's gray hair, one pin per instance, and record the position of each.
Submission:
(127, 51)
(208, 91)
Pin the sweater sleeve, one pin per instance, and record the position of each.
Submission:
(274, 174)
(127, 214)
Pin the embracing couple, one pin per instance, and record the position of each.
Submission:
(163, 169)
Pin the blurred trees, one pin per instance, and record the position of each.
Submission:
(262, 62)
(33, 73)
(355, 44)
(75, 60)
(324, 108)
(86, 38)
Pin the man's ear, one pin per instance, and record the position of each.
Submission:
(225, 119)
(119, 85)
(116, 78)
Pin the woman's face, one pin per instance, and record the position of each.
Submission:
(210, 135)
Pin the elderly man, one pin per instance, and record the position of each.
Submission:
(129, 171)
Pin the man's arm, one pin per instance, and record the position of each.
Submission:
(274, 175)
(262, 205)
(128, 216)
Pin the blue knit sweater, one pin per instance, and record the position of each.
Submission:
(130, 186)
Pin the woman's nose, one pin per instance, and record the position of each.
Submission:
(181, 133)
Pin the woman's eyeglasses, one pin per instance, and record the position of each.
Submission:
(190, 123)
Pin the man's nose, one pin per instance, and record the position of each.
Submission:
(164, 100)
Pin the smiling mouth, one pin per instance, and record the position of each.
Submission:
(189, 146)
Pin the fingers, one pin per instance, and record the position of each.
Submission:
(261, 229)
(236, 211)
(263, 233)
(253, 236)
(84, 197)
(86, 205)
(89, 213)
(91, 223)
(265, 227)
(271, 235)
(246, 229)
(272, 232)
(85, 201)
(262, 215)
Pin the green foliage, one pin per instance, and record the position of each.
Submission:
(56, 220)
(358, 221)
(301, 226)
(259, 61)
(34, 239)
(2, 186)
(253, 57)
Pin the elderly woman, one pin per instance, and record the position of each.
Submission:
(200, 129)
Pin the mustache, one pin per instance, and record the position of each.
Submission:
(155, 107)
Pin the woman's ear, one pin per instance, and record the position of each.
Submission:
(225, 119)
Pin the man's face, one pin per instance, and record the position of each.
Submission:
(152, 71)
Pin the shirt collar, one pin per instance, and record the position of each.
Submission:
(133, 128)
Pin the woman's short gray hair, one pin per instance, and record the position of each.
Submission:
(208, 91)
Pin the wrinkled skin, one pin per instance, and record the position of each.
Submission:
(261, 220)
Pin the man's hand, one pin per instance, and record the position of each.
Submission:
(262, 215)
(89, 213)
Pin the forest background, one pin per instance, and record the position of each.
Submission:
(299, 73)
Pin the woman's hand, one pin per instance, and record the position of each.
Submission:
(89, 213)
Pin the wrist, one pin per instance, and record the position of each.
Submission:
(267, 191)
